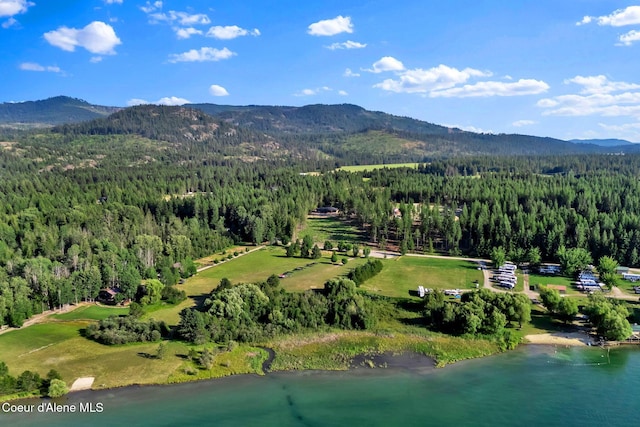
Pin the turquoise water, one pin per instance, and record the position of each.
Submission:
(536, 385)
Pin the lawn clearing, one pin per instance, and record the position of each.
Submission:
(362, 168)
(626, 286)
(60, 346)
(256, 267)
(326, 227)
(222, 255)
(400, 277)
(259, 265)
(91, 312)
(538, 279)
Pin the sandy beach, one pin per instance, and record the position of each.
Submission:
(561, 338)
(82, 383)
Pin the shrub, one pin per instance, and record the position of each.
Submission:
(122, 330)
(57, 388)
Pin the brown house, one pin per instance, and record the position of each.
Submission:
(107, 296)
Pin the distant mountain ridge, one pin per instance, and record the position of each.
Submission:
(317, 119)
(346, 133)
(612, 142)
(51, 111)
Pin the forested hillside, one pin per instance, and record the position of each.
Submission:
(142, 193)
(347, 134)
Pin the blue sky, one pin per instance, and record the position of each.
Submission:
(560, 68)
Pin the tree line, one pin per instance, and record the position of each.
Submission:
(252, 312)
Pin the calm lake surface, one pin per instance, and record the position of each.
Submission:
(535, 385)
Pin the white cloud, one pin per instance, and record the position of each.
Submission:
(202, 55)
(180, 18)
(493, 88)
(347, 45)
(600, 84)
(217, 90)
(342, 93)
(310, 92)
(9, 23)
(597, 97)
(151, 7)
(172, 100)
(331, 27)
(629, 131)
(449, 82)
(434, 79)
(95, 59)
(469, 128)
(624, 104)
(629, 38)
(230, 32)
(306, 92)
(520, 123)
(14, 7)
(168, 100)
(349, 73)
(185, 33)
(585, 20)
(34, 66)
(113, 1)
(137, 101)
(97, 37)
(386, 63)
(618, 18)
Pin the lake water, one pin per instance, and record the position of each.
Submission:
(535, 385)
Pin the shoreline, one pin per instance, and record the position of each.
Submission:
(567, 339)
(365, 365)
(361, 365)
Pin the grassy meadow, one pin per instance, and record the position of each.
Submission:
(255, 267)
(61, 346)
(91, 312)
(362, 168)
(400, 277)
(540, 279)
(326, 227)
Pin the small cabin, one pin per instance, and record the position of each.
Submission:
(108, 296)
(327, 210)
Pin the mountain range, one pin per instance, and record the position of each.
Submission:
(347, 133)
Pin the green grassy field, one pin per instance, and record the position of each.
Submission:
(259, 265)
(256, 267)
(60, 346)
(222, 255)
(401, 275)
(626, 286)
(362, 168)
(538, 279)
(91, 312)
(323, 228)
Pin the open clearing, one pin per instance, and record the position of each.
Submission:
(539, 279)
(362, 168)
(256, 267)
(91, 312)
(60, 346)
(400, 277)
(327, 227)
